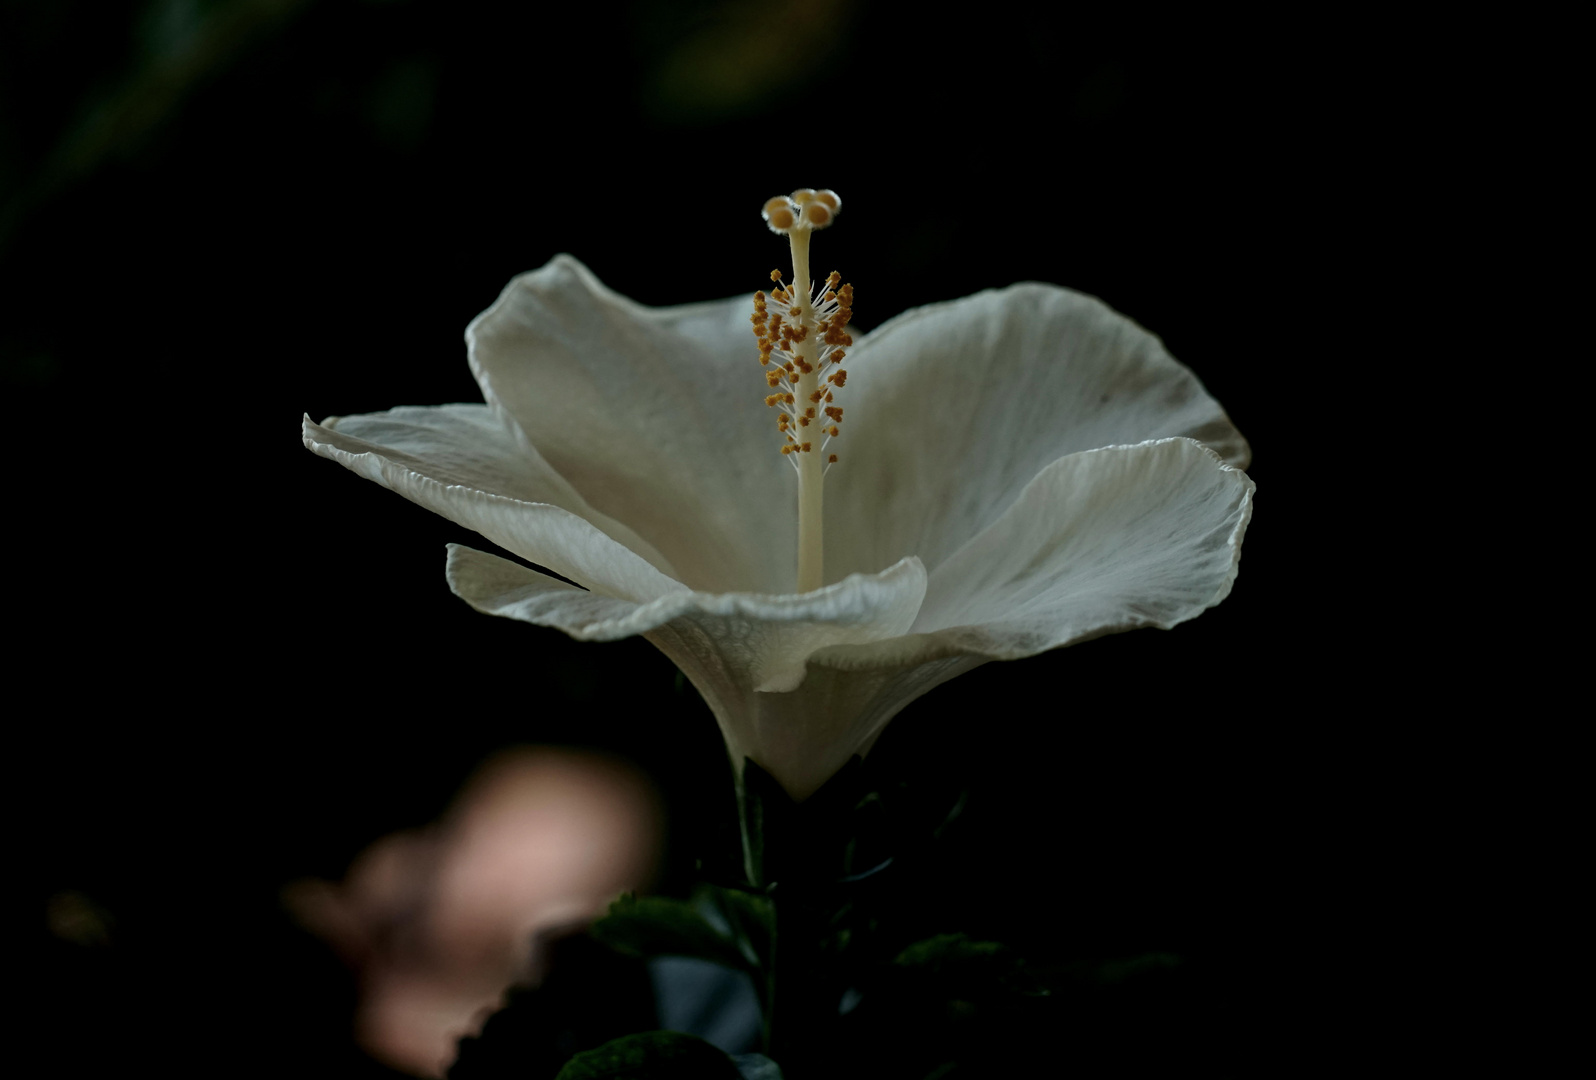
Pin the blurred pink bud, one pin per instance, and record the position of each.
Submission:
(441, 922)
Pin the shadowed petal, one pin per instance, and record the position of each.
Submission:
(460, 452)
(803, 737)
(746, 654)
(655, 415)
(1100, 542)
(952, 409)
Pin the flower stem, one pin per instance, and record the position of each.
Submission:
(811, 473)
(801, 1016)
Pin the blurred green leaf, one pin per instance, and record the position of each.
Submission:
(724, 926)
(954, 974)
(1115, 972)
(652, 1055)
(750, 919)
(757, 1067)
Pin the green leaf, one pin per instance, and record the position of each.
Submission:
(1116, 972)
(653, 926)
(959, 963)
(989, 964)
(652, 1055)
(726, 926)
(765, 811)
(757, 1067)
(749, 918)
(956, 951)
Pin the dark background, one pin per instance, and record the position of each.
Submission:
(237, 664)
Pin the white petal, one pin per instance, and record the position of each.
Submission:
(1102, 541)
(747, 655)
(952, 409)
(656, 416)
(467, 445)
(743, 641)
(802, 738)
(464, 449)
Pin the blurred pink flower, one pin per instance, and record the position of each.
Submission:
(441, 922)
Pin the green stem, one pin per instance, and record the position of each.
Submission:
(802, 995)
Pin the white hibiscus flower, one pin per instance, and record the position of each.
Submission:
(1021, 470)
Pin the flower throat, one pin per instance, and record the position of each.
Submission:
(802, 332)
